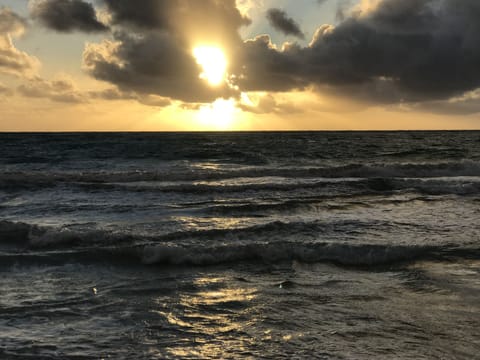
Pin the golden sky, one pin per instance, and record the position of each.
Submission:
(187, 65)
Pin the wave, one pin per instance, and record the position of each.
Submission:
(41, 237)
(344, 254)
(290, 205)
(349, 187)
(45, 246)
(31, 179)
(333, 187)
(359, 255)
(425, 186)
(32, 236)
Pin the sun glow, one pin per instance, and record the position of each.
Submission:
(213, 62)
(220, 115)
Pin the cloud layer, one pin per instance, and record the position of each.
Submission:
(381, 51)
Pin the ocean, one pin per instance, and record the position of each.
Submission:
(274, 245)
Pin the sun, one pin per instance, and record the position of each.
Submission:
(213, 62)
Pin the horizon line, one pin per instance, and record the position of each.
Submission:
(220, 131)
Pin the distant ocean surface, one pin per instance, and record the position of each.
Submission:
(308, 245)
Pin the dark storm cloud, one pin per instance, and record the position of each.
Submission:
(420, 49)
(279, 20)
(67, 15)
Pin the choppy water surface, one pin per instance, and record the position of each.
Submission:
(243, 245)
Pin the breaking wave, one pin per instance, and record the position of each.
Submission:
(36, 245)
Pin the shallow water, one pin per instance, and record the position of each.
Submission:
(243, 245)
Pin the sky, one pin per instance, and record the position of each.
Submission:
(193, 65)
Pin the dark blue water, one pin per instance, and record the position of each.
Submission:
(240, 245)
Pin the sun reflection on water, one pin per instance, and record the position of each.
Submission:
(206, 319)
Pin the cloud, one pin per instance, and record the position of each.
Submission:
(380, 52)
(66, 15)
(63, 90)
(13, 61)
(153, 64)
(147, 14)
(421, 50)
(466, 104)
(16, 62)
(264, 68)
(153, 100)
(268, 104)
(11, 23)
(111, 94)
(115, 94)
(343, 8)
(279, 20)
(60, 90)
(151, 52)
(214, 21)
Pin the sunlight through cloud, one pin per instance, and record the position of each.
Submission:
(213, 62)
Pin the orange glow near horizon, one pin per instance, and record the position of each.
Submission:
(219, 115)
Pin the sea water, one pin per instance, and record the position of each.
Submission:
(326, 245)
